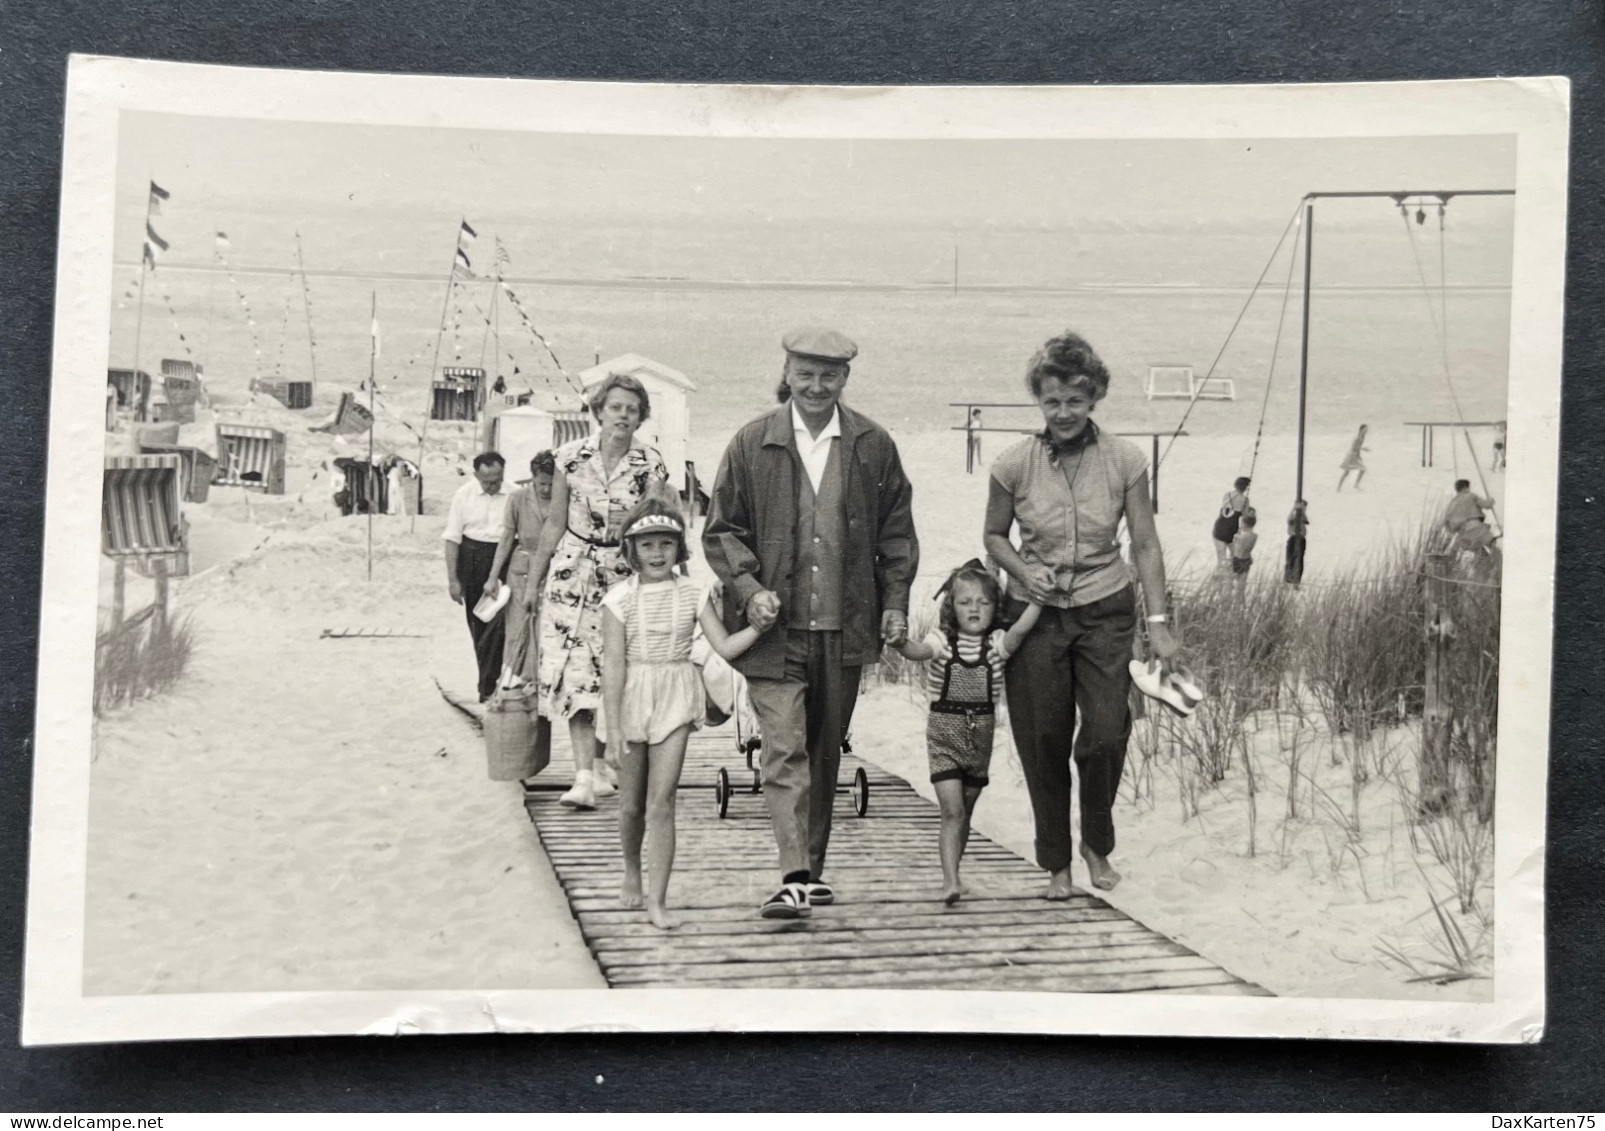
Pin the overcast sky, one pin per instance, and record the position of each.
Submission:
(378, 187)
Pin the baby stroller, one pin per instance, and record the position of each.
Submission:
(727, 697)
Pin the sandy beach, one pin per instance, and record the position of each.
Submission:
(308, 814)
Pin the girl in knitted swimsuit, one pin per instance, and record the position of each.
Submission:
(964, 661)
(651, 694)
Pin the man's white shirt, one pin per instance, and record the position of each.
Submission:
(815, 450)
(474, 514)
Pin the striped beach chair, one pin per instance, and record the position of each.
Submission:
(141, 518)
(250, 456)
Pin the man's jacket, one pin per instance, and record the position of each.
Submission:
(751, 533)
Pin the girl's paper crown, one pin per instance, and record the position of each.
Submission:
(655, 524)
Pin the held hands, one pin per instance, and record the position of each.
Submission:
(763, 610)
(894, 628)
(1041, 583)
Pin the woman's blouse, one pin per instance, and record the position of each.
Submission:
(526, 515)
(598, 502)
(1073, 530)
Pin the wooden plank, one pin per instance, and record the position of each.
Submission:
(1173, 982)
(911, 932)
(871, 913)
(1115, 943)
(601, 929)
(974, 968)
(748, 898)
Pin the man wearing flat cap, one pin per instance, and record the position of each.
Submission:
(811, 531)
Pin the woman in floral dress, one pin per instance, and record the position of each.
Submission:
(599, 479)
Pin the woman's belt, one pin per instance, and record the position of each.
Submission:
(605, 544)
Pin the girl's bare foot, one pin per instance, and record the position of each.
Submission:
(630, 897)
(659, 917)
(952, 893)
(1104, 878)
(1059, 888)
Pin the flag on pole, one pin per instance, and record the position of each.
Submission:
(465, 236)
(157, 195)
(154, 244)
(375, 330)
(501, 253)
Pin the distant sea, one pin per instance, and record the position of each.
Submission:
(714, 304)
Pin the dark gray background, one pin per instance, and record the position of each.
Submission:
(819, 41)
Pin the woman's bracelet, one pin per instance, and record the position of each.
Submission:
(1159, 618)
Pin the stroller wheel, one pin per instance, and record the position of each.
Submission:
(721, 791)
(860, 791)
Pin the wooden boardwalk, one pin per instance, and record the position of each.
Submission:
(887, 930)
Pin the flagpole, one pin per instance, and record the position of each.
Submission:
(495, 308)
(306, 298)
(373, 356)
(211, 293)
(139, 318)
(445, 305)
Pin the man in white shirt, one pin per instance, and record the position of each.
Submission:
(475, 522)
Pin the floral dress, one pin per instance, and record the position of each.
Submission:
(587, 562)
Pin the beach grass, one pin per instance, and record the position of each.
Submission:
(139, 658)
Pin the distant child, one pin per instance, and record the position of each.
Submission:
(1466, 521)
(1232, 506)
(652, 696)
(1353, 461)
(1298, 525)
(1243, 547)
(964, 660)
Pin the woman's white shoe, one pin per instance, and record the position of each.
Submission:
(1153, 681)
(582, 795)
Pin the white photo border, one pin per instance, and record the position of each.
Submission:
(1533, 110)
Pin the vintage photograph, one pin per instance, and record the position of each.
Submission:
(748, 547)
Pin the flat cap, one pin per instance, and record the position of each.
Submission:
(816, 341)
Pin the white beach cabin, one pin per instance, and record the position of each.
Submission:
(518, 434)
(670, 423)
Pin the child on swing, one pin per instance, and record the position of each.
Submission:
(964, 658)
(652, 697)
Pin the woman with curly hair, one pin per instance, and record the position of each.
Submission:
(598, 480)
(1069, 487)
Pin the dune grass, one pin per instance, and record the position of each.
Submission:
(139, 658)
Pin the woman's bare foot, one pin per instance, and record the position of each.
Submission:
(1059, 887)
(630, 897)
(659, 917)
(952, 893)
(1104, 878)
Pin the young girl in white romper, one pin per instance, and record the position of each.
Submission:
(652, 697)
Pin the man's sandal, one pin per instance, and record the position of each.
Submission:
(790, 902)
